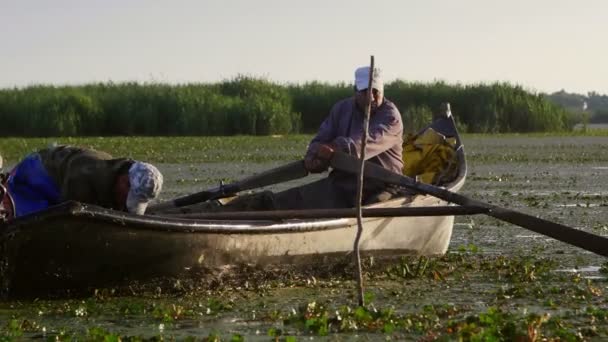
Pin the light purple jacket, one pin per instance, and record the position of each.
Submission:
(344, 128)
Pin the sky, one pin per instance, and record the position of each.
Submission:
(542, 45)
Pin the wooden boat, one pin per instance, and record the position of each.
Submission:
(74, 245)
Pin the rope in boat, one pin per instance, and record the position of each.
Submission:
(357, 251)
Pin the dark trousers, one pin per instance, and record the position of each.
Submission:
(333, 192)
(328, 193)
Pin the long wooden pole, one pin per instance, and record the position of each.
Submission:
(358, 202)
(336, 213)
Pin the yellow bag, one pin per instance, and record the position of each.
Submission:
(431, 157)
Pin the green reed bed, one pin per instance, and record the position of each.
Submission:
(246, 105)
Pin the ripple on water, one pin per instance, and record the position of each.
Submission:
(588, 272)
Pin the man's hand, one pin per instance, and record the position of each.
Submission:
(319, 161)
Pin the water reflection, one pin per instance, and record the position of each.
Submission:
(588, 272)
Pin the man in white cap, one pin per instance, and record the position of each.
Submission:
(342, 130)
(62, 173)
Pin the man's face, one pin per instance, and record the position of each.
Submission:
(361, 99)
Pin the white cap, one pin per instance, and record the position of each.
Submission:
(362, 79)
(145, 185)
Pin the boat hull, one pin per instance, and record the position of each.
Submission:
(84, 247)
(77, 246)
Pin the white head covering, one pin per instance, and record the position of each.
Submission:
(145, 185)
(362, 79)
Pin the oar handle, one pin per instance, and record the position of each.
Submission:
(221, 192)
(215, 193)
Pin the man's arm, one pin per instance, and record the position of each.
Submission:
(383, 135)
(325, 135)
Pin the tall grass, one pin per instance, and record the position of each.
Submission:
(252, 106)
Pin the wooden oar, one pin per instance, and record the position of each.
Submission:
(336, 213)
(291, 171)
(590, 242)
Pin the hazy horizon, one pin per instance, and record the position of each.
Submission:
(544, 46)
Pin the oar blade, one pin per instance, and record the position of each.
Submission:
(591, 242)
(580, 238)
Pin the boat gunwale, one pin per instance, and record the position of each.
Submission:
(132, 222)
(71, 209)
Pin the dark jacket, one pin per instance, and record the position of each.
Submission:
(344, 128)
(84, 175)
